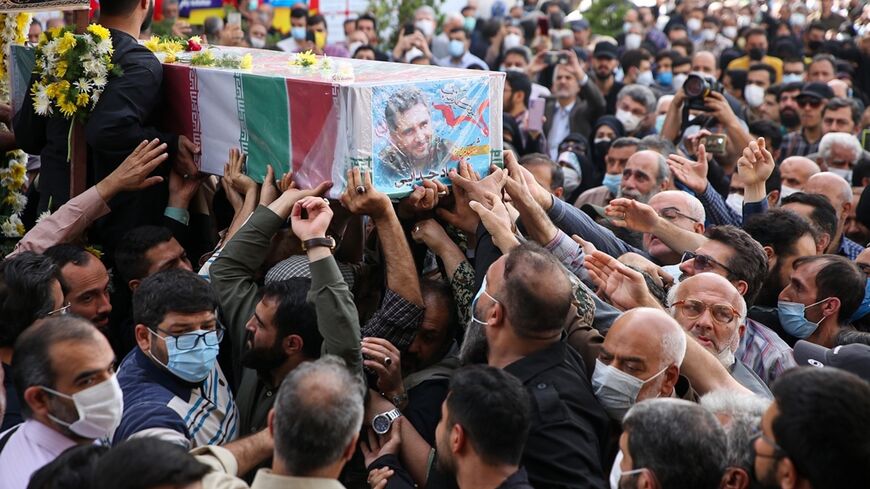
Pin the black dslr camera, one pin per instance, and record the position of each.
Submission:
(697, 87)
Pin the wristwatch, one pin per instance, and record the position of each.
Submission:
(382, 422)
(327, 241)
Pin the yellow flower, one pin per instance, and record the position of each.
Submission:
(67, 42)
(170, 58)
(55, 31)
(94, 251)
(68, 108)
(10, 199)
(55, 89)
(152, 44)
(247, 62)
(82, 99)
(20, 228)
(60, 69)
(42, 38)
(171, 47)
(99, 31)
(305, 59)
(18, 170)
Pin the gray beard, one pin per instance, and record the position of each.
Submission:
(474, 347)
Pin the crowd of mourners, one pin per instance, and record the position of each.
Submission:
(665, 285)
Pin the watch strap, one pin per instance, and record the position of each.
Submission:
(326, 241)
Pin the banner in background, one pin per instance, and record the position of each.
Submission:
(34, 5)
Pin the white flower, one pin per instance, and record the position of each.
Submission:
(20, 202)
(9, 228)
(83, 85)
(104, 46)
(99, 82)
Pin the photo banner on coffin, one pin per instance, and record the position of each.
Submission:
(36, 5)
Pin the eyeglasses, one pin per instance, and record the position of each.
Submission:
(61, 311)
(671, 213)
(188, 341)
(864, 268)
(778, 452)
(703, 263)
(693, 309)
(814, 103)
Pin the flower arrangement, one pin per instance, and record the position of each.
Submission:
(207, 58)
(72, 71)
(169, 47)
(13, 30)
(303, 60)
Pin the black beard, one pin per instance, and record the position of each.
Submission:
(264, 360)
(789, 118)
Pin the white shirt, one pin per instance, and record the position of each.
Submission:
(465, 61)
(32, 446)
(289, 45)
(560, 129)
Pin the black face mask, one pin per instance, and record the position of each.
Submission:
(814, 45)
(756, 54)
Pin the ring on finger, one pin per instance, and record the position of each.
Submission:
(416, 229)
(442, 193)
(388, 361)
(360, 189)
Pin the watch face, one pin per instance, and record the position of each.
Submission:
(381, 424)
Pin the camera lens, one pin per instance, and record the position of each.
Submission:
(694, 86)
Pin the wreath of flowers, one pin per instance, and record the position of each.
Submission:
(13, 164)
(72, 71)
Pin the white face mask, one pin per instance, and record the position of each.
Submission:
(616, 390)
(645, 78)
(785, 191)
(412, 54)
(679, 79)
(352, 47)
(709, 35)
(843, 172)
(571, 179)
(100, 408)
(629, 121)
(729, 31)
(792, 78)
(694, 25)
(512, 41)
(258, 43)
(726, 357)
(735, 202)
(425, 25)
(632, 41)
(797, 19)
(754, 95)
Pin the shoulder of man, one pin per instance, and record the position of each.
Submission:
(151, 419)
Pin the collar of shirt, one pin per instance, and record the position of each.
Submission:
(48, 439)
(528, 367)
(157, 373)
(265, 479)
(566, 109)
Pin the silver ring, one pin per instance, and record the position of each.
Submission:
(361, 189)
(442, 194)
(416, 229)
(388, 361)
(185, 176)
(326, 200)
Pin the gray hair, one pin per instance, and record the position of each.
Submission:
(625, 142)
(401, 101)
(679, 441)
(674, 292)
(743, 413)
(838, 103)
(840, 139)
(695, 209)
(658, 144)
(426, 9)
(664, 170)
(826, 57)
(213, 25)
(674, 345)
(318, 410)
(639, 94)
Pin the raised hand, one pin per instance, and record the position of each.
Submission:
(234, 173)
(692, 173)
(467, 187)
(617, 284)
(497, 220)
(133, 173)
(385, 360)
(631, 214)
(425, 197)
(184, 159)
(430, 233)
(316, 222)
(756, 165)
(360, 196)
(376, 446)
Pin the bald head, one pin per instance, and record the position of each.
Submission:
(651, 333)
(704, 62)
(716, 328)
(708, 282)
(834, 187)
(796, 170)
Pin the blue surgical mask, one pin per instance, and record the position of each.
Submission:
(792, 78)
(665, 78)
(864, 308)
(612, 182)
(792, 317)
(192, 365)
(469, 23)
(456, 48)
(660, 123)
(298, 33)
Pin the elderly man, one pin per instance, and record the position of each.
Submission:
(636, 110)
(821, 296)
(711, 309)
(683, 211)
(795, 172)
(839, 194)
(615, 160)
(705, 62)
(840, 152)
(578, 103)
(740, 416)
(671, 443)
(646, 174)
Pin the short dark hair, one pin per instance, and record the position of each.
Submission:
(825, 57)
(687, 44)
(365, 47)
(822, 425)
(749, 261)
(369, 17)
(557, 176)
(441, 289)
(297, 13)
(494, 409)
(520, 82)
(66, 253)
(130, 251)
(316, 19)
(530, 307)
(117, 7)
(457, 30)
(778, 228)
(31, 364)
(295, 315)
(519, 50)
(754, 31)
(679, 441)
(401, 101)
(837, 103)
(839, 277)
(74, 468)
(168, 291)
(823, 218)
(167, 464)
(25, 293)
(789, 87)
(767, 129)
(633, 58)
(771, 73)
(671, 55)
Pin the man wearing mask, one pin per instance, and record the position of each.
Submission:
(173, 387)
(64, 370)
(839, 152)
(317, 25)
(637, 67)
(298, 31)
(711, 40)
(811, 103)
(821, 296)
(604, 63)
(458, 55)
(425, 20)
(758, 79)
(577, 104)
(441, 42)
(795, 172)
(711, 309)
(756, 52)
(636, 110)
(618, 153)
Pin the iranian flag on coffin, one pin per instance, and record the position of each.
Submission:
(404, 122)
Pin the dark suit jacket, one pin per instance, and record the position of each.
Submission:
(590, 105)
